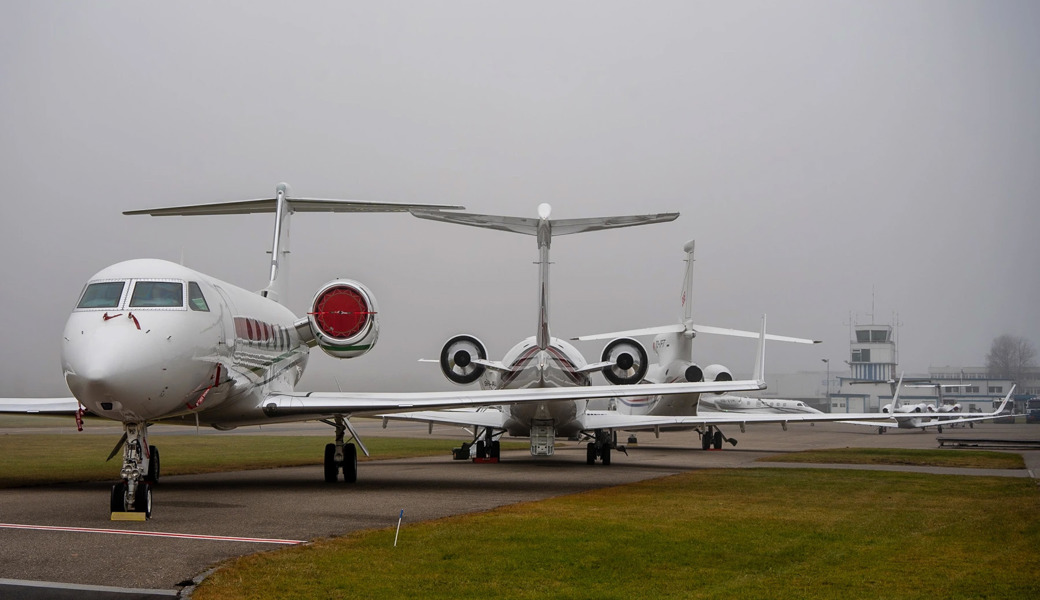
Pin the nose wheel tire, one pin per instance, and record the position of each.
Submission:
(118, 503)
(153, 464)
(143, 502)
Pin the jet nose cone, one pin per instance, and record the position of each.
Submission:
(113, 370)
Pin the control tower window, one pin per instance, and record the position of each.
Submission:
(157, 294)
(102, 295)
(196, 301)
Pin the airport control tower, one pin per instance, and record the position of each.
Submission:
(873, 353)
(873, 358)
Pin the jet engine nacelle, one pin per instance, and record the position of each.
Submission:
(457, 359)
(717, 373)
(629, 362)
(342, 320)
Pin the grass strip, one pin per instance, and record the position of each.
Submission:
(974, 459)
(56, 458)
(761, 533)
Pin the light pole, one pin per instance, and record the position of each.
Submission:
(827, 361)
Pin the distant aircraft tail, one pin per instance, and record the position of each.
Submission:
(284, 205)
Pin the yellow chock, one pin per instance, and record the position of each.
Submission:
(128, 516)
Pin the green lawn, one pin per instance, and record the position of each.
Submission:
(747, 533)
(978, 459)
(58, 458)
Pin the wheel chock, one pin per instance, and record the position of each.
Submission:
(129, 516)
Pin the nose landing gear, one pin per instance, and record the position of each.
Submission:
(131, 498)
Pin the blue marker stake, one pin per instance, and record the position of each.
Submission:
(399, 518)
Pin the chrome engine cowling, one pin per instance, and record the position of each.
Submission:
(629, 361)
(457, 359)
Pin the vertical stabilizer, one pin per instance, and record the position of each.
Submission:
(760, 357)
(277, 288)
(687, 289)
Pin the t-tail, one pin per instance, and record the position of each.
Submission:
(283, 205)
(544, 228)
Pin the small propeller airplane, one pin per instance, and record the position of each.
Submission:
(151, 341)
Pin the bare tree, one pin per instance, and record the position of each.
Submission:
(1010, 357)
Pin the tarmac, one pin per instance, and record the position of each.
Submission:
(58, 541)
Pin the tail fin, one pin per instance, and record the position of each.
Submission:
(283, 205)
(544, 228)
(895, 393)
(760, 358)
(687, 289)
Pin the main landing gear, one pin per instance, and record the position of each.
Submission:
(487, 450)
(340, 456)
(603, 442)
(140, 472)
(712, 438)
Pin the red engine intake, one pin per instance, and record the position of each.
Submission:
(342, 319)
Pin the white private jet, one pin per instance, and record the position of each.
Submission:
(152, 341)
(923, 415)
(673, 345)
(542, 361)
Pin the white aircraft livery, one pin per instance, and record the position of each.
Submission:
(673, 347)
(547, 362)
(923, 415)
(152, 341)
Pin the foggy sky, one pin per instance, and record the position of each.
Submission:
(831, 159)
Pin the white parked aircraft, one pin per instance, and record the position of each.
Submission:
(924, 415)
(673, 345)
(152, 341)
(542, 361)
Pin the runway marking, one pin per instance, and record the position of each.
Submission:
(163, 534)
(54, 585)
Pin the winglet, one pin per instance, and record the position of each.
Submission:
(1003, 404)
(760, 358)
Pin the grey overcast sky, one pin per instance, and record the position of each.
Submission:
(830, 158)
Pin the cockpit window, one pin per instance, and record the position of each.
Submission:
(161, 294)
(102, 295)
(196, 301)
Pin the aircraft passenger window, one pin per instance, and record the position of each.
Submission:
(157, 294)
(196, 301)
(102, 295)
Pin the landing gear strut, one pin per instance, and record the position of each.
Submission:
(605, 441)
(488, 449)
(139, 473)
(712, 438)
(340, 456)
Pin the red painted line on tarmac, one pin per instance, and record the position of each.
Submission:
(185, 536)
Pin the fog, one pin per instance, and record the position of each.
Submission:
(836, 163)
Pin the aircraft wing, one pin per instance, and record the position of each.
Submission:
(614, 420)
(372, 403)
(875, 423)
(466, 417)
(39, 406)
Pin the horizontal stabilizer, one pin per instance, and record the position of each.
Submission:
(677, 328)
(268, 205)
(529, 226)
